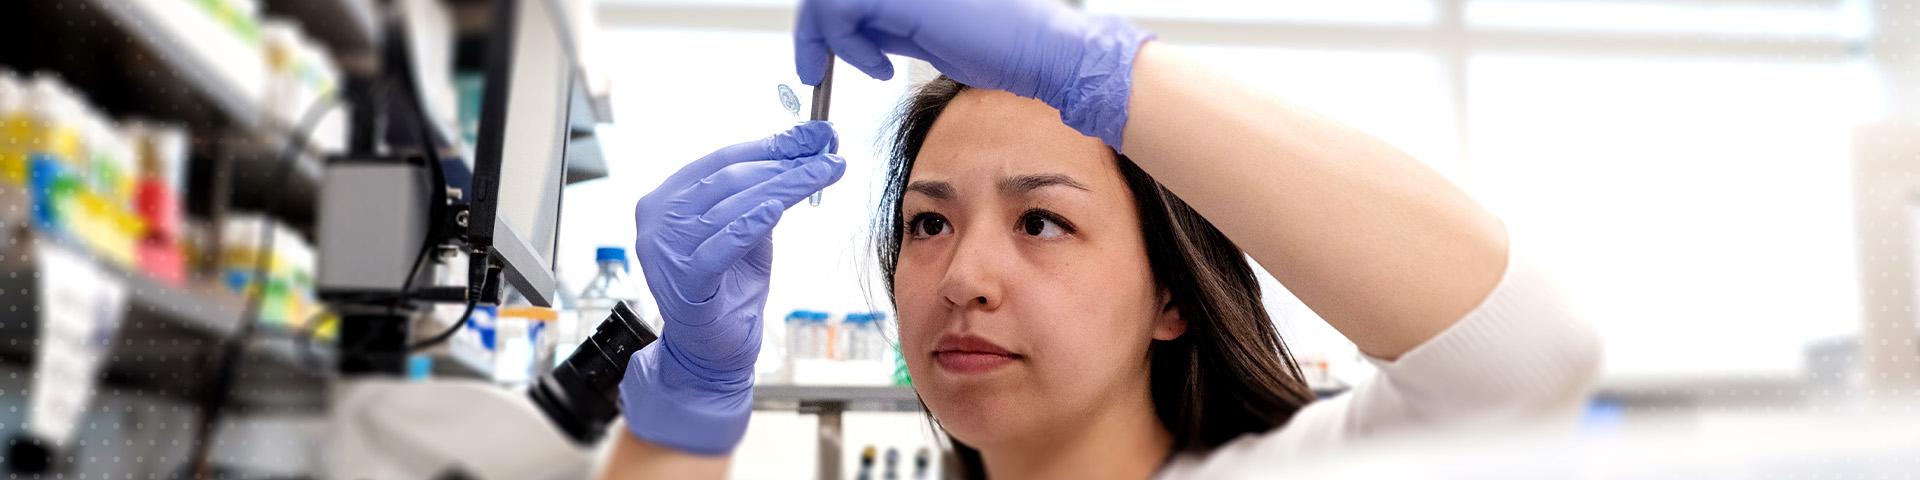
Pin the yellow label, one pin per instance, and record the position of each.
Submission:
(61, 141)
(14, 136)
(529, 313)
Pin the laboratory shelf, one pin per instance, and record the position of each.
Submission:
(164, 341)
(219, 67)
(1693, 392)
(828, 403)
(889, 398)
(349, 28)
(166, 60)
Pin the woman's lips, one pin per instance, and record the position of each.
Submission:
(967, 355)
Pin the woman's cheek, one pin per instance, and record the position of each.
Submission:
(918, 308)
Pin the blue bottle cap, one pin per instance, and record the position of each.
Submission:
(610, 253)
(603, 254)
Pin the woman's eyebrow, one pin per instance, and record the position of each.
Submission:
(936, 189)
(1020, 185)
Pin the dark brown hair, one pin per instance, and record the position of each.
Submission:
(1228, 375)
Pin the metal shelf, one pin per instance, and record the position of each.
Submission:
(166, 60)
(891, 398)
(349, 28)
(149, 23)
(164, 340)
(828, 403)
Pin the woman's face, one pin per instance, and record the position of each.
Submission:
(1025, 297)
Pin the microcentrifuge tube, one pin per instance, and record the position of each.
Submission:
(791, 102)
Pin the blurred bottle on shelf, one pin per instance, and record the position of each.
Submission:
(112, 189)
(922, 464)
(863, 338)
(892, 470)
(288, 298)
(240, 17)
(14, 124)
(517, 339)
(300, 73)
(799, 338)
(161, 154)
(866, 464)
(814, 335)
(51, 135)
(775, 345)
(608, 288)
(851, 351)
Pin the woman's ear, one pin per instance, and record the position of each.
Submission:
(1168, 325)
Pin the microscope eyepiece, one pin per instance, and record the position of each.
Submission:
(582, 394)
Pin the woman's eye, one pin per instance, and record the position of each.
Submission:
(1043, 225)
(927, 225)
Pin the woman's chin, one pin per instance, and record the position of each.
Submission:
(977, 416)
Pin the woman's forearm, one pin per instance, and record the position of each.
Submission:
(635, 458)
(1384, 248)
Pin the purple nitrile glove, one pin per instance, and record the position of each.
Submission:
(1081, 65)
(704, 241)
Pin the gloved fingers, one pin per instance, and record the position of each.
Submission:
(727, 247)
(800, 141)
(893, 18)
(701, 196)
(836, 26)
(860, 52)
(898, 45)
(810, 51)
(813, 174)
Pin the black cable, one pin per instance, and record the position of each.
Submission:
(234, 346)
(473, 300)
(436, 207)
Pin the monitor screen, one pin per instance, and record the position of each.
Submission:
(520, 155)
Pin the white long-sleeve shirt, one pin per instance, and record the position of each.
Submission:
(1521, 355)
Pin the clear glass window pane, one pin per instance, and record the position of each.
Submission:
(1399, 97)
(1700, 211)
(1817, 19)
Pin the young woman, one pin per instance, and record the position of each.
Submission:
(1062, 234)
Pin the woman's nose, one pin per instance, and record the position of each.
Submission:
(973, 277)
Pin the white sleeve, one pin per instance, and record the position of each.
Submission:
(1521, 355)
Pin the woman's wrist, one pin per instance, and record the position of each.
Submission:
(1094, 101)
(668, 402)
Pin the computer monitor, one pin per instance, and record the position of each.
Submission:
(520, 156)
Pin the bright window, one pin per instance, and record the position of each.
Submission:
(1701, 211)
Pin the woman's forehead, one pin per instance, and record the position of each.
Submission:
(986, 135)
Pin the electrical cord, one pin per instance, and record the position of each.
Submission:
(436, 208)
(473, 300)
(234, 346)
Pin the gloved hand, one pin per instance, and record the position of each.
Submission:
(704, 241)
(1081, 65)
